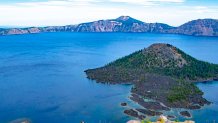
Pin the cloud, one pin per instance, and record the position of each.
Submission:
(54, 12)
(136, 2)
(147, 2)
(65, 3)
(205, 9)
(94, 2)
(171, 1)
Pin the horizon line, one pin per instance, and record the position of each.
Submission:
(32, 26)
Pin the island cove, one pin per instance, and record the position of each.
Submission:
(162, 74)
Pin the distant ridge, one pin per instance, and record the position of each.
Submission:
(200, 27)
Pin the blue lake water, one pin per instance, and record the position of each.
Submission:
(42, 78)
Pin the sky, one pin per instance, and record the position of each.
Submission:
(66, 12)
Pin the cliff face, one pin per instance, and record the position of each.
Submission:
(200, 27)
(121, 24)
(204, 27)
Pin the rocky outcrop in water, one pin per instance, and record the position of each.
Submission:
(134, 113)
(201, 27)
(162, 76)
(185, 114)
(149, 112)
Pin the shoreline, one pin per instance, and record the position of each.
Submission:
(206, 81)
(171, 108)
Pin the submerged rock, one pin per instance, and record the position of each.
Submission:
(149, 112)
(148, 105)
(131, 112)
(194, 107)
(185, 114)
(171, 117)
(123, 104)
(134, 113)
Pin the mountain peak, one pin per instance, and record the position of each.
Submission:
(160, 72)
(160, 45)
(128, 19)
(124, 18)
(165, 55)
(205, 22)
(200, 27)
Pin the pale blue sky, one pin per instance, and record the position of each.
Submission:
(64, 12)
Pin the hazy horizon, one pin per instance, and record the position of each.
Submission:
(26, 13)
(17, 26)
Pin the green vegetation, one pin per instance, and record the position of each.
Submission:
(194, 69)
(146, 121)
(155, 63)
(176, 121)
(150, 62)
(180, 92)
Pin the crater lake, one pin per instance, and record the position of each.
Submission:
(42, 75)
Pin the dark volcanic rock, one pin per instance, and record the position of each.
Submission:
(148, 105)
(171, 117)
(197, 100)
(131, 112)
(123, 104)
(162, 73)
(185, 114)
(141, 117)
(149, 112)
(194, 107)
(134, 113)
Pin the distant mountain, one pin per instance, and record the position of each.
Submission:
(204, 27)
(200, 27)
(160, 72)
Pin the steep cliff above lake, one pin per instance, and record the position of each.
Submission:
(201, 27)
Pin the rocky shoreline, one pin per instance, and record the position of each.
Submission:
(161, 73)
(156, 107)
(148, 105)
(152, 108)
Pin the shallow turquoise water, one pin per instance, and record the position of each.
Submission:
(42, 78)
